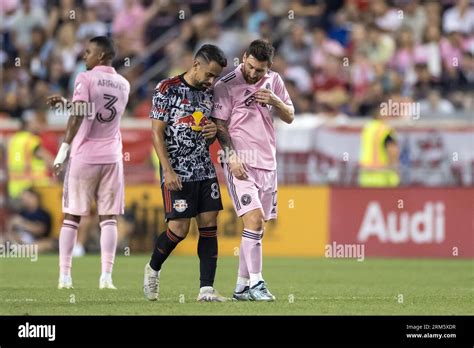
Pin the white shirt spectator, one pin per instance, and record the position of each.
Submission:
(22, 23)
(300, 76)
(452, 20)
(92, 29)
(434, 106)
(390, 21)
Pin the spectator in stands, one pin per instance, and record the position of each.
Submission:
(39, 52)
(58, 78)
(431, 45)
(329, 104)
(91, 26)
(380, 46)
(32, 224)
(459, 18)
(340, 28)
(261, 15)
(296, 48)
(323, 47)
(433, 12)
(24, 20)
(386, 18)
(414, 18)
(296, 73)
(435, 106)
(425, 82)
(67, 49)
(313, 12)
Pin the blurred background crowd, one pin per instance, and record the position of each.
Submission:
(338, 57)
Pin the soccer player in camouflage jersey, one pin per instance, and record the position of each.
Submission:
(182, 132)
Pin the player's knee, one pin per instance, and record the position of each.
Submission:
(255, 221)
(179, 229)
(75, 218)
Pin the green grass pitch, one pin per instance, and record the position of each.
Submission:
(303, 286)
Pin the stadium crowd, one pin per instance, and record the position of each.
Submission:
(339, 58)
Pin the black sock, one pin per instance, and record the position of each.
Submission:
(165, 244)
(207, 252)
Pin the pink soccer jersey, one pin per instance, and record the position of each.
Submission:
(250, 124)
(98, 140)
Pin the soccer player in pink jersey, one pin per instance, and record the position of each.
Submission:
(95, 167)
(245, 101)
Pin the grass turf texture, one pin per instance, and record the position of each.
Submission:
(302, 286)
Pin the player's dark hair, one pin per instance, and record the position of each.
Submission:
(261, 50)
(106, 44)
(211, 53)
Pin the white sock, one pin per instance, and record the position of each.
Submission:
(64, 278)
(255, 278)
(241, 284)
(106, 276)
(206, 289)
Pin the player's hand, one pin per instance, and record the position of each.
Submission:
(54, 99)
(237, 168)
(266, 96)
(209, 130)
(58, 168)
(173, 181)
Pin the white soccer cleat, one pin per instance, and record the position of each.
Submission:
(105, 283)
(151, 283)
(65, 283)
(243, 295)
(259, 292)
(209, 294)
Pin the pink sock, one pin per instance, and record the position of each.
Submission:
(243, 270)
(67, 239)
(108, 244)
(252, 249)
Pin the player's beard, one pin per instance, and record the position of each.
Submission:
(201, 85)
(247, 78)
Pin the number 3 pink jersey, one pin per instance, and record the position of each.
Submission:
(98, 140)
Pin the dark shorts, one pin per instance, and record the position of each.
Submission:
(195, 197)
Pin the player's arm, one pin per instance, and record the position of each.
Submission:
(73, 124)
(209, 131)
(172, 180)
(286, 112)
(230, 156)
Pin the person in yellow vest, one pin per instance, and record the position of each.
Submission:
(27, 160)
(379, 154)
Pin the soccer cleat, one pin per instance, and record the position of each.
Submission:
(65, 283)
(106, 284)
(259, 292)
(242, 295)
(151, 283)
(209, 294)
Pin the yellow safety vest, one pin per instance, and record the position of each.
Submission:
(24, 168)
(373, 157)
